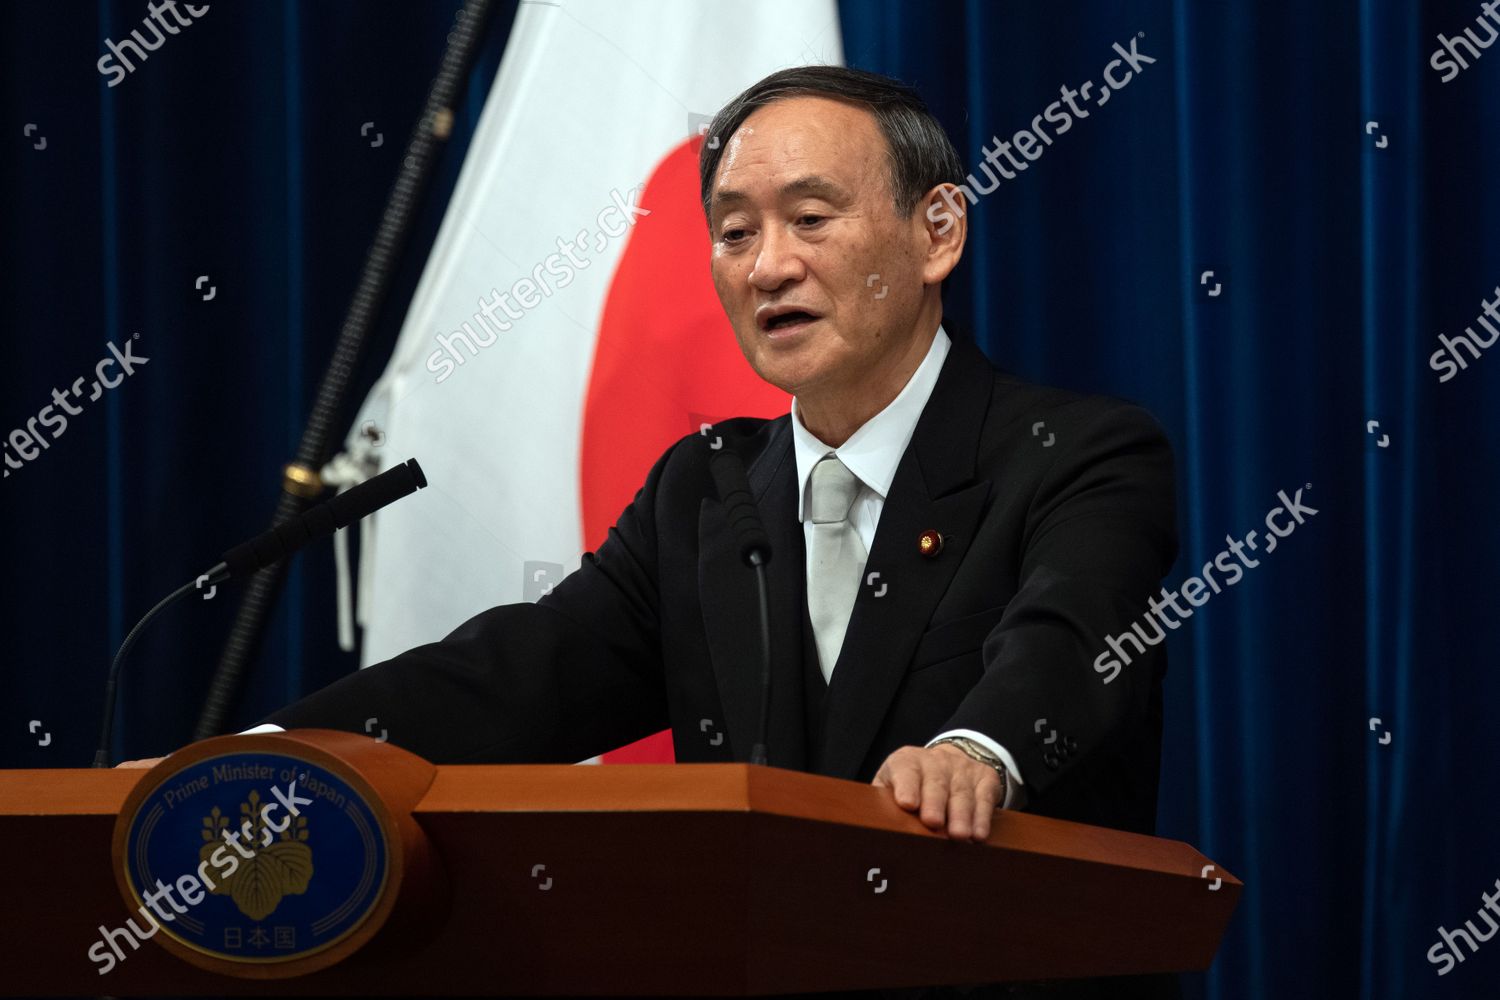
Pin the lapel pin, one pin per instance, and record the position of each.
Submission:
(930, 542)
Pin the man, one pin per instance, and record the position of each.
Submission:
(952, 546)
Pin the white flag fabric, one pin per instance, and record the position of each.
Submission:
(565, 330)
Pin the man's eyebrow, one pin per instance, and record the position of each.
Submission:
(816, 186)
(810, 185)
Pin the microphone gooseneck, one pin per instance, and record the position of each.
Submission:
(264, 550)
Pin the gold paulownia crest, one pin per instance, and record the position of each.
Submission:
(276, 869)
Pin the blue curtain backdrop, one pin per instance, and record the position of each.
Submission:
(1342, 194)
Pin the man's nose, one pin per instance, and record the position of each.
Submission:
(778, 262)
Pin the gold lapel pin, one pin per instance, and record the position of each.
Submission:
(930, 542)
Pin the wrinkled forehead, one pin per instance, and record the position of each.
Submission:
(800, 146)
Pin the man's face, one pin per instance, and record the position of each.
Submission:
(802, 216)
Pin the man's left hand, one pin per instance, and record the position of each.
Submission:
(945, 786)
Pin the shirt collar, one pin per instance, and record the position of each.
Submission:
(875, 449)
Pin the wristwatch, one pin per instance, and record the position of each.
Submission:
(980, 753)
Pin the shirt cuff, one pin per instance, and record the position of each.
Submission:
(1012, 786)
(264, 727)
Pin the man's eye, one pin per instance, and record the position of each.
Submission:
(732, 235)
(809, 219)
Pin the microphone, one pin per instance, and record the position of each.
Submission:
(356, 503)
(733, 485)
(744, 517)
(269, 548)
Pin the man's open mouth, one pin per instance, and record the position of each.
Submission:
(783, 321)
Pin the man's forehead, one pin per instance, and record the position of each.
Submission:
(800, 146)
(792, 186)
(803, 123)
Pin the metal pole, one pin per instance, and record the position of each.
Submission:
(300, 479)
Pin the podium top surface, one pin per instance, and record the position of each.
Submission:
(648, 788)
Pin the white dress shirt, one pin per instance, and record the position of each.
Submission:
(872, 453)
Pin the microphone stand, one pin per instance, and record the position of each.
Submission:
(758, 751)
(101, 755)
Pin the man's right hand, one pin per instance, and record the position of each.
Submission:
(144, 762)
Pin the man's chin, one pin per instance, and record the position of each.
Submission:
(792, 379)
(794, 365)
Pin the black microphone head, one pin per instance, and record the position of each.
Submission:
(324, 519)
(733, 485)
(417, 474)
(728, 471)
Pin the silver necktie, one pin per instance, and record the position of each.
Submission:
(835, 558)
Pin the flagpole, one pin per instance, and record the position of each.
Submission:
(301, 482)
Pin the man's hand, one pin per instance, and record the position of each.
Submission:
(946, 785)
(144, 762)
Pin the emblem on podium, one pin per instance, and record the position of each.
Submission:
(252, 857)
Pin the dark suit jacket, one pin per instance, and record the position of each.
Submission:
(1058, 522)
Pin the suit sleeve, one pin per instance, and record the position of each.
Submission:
(573, 675)
(1100, 535)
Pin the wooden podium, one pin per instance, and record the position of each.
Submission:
(698, 879)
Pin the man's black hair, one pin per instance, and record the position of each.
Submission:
(920, 153)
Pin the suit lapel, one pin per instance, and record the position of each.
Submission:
(731, 615)
(934, 489)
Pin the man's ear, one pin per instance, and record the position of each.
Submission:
(942, 217)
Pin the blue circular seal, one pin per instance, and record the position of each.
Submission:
(255, 858)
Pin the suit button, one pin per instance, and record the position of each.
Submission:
(1050, 761)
